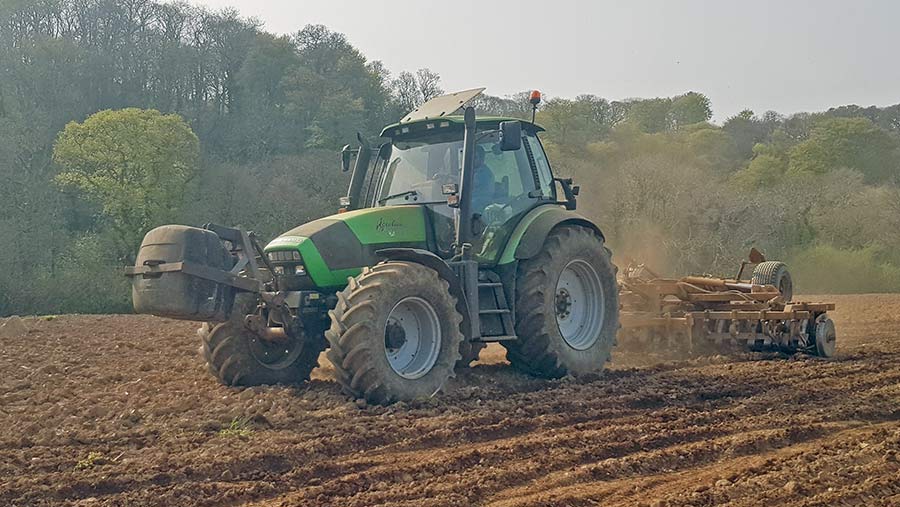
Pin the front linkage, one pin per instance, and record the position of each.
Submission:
(221, 274)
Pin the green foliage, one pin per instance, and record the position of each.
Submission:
(667, 114)
(746, 130)
(577, 122)
(133, 163)
(270, 111)
(239, 427)
(90, 461)
(688, 109)
(764, 170)
(852, 143)
(84, 277)
(824, 268)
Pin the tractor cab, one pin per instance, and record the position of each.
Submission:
(422, 165)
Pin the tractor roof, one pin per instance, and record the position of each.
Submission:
(452, 122)
(444, 112)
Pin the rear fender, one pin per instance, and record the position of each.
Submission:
(528, 238)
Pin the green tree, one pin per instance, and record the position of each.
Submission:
(650, 115)
(133, 163)
(746, 130)
(769, 163)
(852, 143)
(688, 109)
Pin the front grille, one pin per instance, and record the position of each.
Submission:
(289, 270)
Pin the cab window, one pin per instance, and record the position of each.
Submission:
(501, 177)
(504, 191)
(548, 189)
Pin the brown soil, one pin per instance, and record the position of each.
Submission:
(753, 430)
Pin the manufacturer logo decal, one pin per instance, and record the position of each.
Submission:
(388, 227)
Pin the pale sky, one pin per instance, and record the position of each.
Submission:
(784, 55)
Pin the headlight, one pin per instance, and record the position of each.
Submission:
(299, 269)
(279, 270)
(284, 256)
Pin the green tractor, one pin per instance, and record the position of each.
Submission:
(451, 236)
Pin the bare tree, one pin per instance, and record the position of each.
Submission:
(429, 84)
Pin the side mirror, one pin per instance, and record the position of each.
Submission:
(346, 157)
(510, 135)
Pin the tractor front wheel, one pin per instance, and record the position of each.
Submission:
(395, 333)
(237, 357)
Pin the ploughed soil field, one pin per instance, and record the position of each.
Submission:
(119, 410)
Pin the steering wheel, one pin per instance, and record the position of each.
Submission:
(516, 201)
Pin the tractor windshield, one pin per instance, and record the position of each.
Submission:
(418, 168)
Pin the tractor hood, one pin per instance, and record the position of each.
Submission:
(338, 246)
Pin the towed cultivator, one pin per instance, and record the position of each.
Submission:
(697, 315)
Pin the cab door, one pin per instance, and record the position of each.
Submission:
(511, 190)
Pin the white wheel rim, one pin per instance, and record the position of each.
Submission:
(412, 338)
(580, 305)
(826, 338)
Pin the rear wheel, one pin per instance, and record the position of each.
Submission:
(395, 333)
(774, 273)
(566, 306)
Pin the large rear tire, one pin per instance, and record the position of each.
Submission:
(567, 308)
(395, 333)
(237, 357)
(774, 273)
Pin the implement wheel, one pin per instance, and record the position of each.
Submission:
(825, 337)
(395, 333)
(567, 308)
(774, 273)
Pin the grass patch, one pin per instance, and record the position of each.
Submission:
(93, 459)
(239, 427)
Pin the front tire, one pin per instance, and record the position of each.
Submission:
(237, 357)
(567, 309)
(395, 333)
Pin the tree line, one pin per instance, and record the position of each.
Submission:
(260, 117)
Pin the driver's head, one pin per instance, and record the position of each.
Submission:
(479, 155)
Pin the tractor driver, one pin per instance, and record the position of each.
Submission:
(484, 191)
(489, 198)
(483, 182)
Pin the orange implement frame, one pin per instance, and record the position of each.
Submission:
(704, 312)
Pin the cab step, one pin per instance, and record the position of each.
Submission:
(492, 339)
(494, 311)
